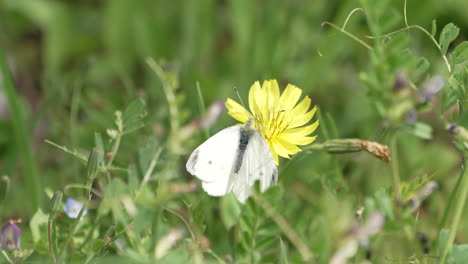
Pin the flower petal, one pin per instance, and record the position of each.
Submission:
(255, 98)
(237, 111)
(297, 140)
(289, 97)
(301, 108)
(302, 119)
(273, 95)
(288, 146)
(279, 149)
(302, 131)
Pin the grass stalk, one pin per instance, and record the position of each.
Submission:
(32, 182)
(459, 206)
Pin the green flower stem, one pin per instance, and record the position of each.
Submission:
(32, 182)
(51, 244)
(115, 148)
(459, 205)
(72, 231)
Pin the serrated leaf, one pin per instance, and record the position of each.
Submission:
(434, 28)
(132, 118)
(230, 210)
(460, 53)
(449, 33)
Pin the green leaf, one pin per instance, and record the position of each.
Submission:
(38, 227)
(460, 253)
(132, 117)
(230, 210)
(434, 28)
(146, 154)
(384, 202)
(449, 33)
(460, 54)
(421, 130)
(98, 142)
(422, 67)
(442, 240)
(283, 257)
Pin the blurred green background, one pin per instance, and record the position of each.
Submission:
(76, 62)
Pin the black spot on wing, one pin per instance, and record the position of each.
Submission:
(194, 159)
(274, 176)
(210, 162)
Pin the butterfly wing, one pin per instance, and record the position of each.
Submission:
(213, 160)
(257, 164)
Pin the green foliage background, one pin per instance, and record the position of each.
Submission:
(77, 62)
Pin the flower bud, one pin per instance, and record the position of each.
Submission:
(55, 203)
(10, 236)
(93, 164)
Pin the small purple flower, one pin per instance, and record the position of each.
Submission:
(452, 128)
(73, 208)
(431, 88)
(400, 81)
(10, 236)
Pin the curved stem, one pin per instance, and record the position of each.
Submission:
(348, 34)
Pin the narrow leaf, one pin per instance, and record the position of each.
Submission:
(434, 28)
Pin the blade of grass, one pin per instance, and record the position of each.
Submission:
(459, 206)
(32, 182)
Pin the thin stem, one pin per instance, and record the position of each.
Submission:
(349, 16)
(149, 171)
(459, 206)
(283, 224)
(395, 170)
(170, 96)
(348, 34)
(201, 105)
(425, 32)
(72, 231)
(6, 256)
(66, 150)
(32, 181)
(51, 244)
(115, 148)
(453, 194)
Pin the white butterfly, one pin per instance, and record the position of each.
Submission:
(232, 160)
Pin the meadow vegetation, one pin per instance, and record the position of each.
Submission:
(102, 102)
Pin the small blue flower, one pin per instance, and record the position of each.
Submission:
(10, 236)
(73, 207)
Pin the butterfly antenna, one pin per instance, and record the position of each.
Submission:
(238, 95)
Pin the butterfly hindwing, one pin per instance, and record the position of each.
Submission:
(257, 164)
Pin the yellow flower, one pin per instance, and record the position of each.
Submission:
(278, 117)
